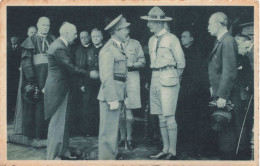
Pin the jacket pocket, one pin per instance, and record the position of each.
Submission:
(169, 81)
(169, 77)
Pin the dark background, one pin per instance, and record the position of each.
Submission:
(88, 17)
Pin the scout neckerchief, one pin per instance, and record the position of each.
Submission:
(155, 44)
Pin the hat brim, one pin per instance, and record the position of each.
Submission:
(156, 19)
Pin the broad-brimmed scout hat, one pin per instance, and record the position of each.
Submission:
(156, 14)
(117, 23)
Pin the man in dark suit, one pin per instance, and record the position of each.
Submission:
(57, 98)
(244, 87)
(222, 72)
(13, 65)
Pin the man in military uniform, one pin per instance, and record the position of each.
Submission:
(112, 69)
(34, 64)
(167, 63)
(135, 61)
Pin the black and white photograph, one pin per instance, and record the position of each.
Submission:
(130, 82)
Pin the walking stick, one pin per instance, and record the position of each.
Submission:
(243, 124)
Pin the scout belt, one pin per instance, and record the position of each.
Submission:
(164, 68)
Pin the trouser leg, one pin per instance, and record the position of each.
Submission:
(58, 133)
(108, 132)
(129, 124)
(122, 125)
(164, 133)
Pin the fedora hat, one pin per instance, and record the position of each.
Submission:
(220, 119)
(156, 14)
(117, 23)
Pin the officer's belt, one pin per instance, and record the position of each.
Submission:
(164, 68)
(132, 69)
(119, 78)
(40, 59)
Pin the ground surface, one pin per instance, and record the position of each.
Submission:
(22, 148)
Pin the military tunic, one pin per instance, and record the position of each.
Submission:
(112, 68)
(134, 53)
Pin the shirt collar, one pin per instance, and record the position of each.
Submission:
(41, 34)
(98, 45)
(161, 32)
(127, 39)
(65, 42)
(250, 48)
(221, 34)
(116, 41)
(86, 45)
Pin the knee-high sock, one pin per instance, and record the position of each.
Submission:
(172, 131)
(129, 128)
(164, 132)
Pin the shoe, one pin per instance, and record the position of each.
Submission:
(159, 155)
(68, 157)
(130, 145)
(121, 142)
(170, 157)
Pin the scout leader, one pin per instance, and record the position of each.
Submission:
(167, 63)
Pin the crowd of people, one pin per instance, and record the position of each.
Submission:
(91, 89)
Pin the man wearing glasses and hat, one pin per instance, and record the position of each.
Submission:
(113, 69)
(167, 63)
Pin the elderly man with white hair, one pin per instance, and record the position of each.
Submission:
(57, 97)
(222, 70)
(34, 71)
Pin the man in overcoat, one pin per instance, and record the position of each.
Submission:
(57, 98)
(222, 70)
(167, 63)
(113, 70)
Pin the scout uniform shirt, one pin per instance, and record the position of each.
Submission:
(134, 53)
(165, 50)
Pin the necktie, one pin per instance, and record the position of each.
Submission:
(14, 47)
(121, 46)
(216, 42)
(154, 50)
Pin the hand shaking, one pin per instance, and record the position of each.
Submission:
(94, 74)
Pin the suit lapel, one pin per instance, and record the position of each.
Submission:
(218, 43)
